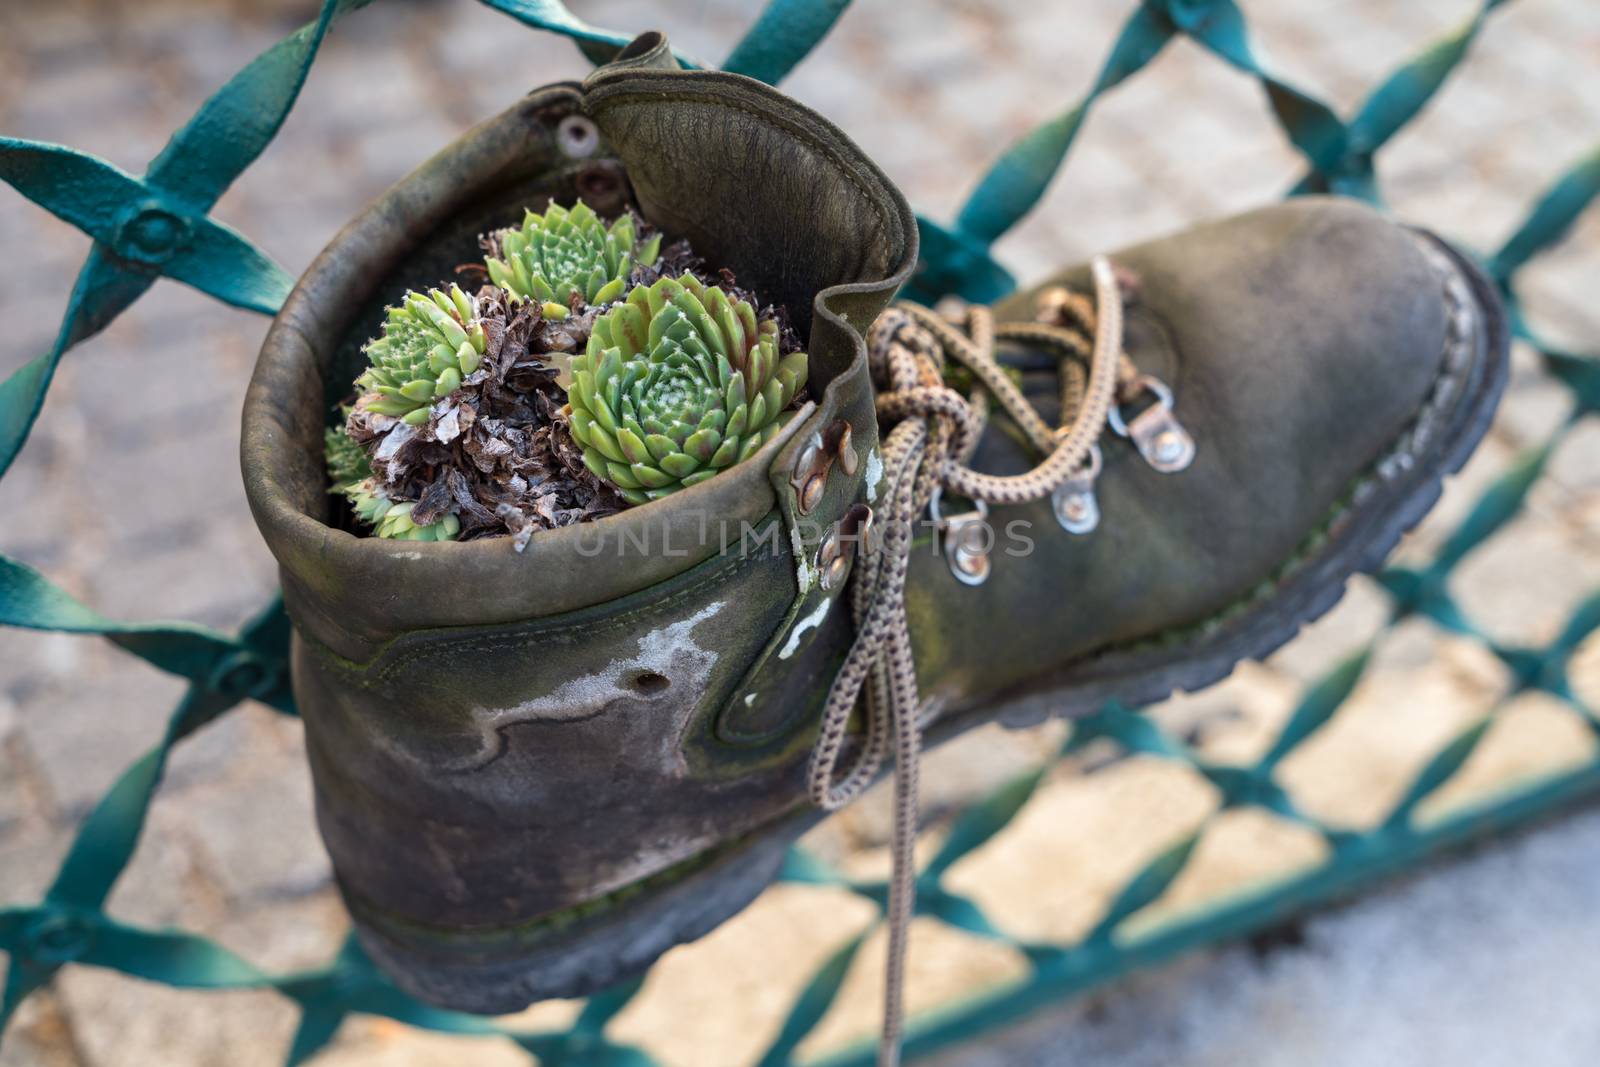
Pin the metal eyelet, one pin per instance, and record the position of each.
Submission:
(1160, 438)
(1074, 502)
(967, 539)
(850, 535)
(810, 477)
(577, 137)
(842, 449)
(816, 460)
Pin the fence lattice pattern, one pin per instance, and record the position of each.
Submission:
(157, 225)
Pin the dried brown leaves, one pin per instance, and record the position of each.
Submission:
(496, 450)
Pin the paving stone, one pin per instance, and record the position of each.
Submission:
(286, 935)
(1535, 405)
(1522, 586)
(1051, 874)
(1462, 491)
(15, 801)
(39, 1035)
(218, 574)
(383, 1043)
(1572, 465)
(163, 885)
(942, 963)
(1583, 671)
(82, 736)
(1234, 721)
(1408, 705)
(1343, 631)
(31, 488)
(180, 377)
(144, 509)
(680, 1013)
(1534, 736)
(123, 1022)
(66, 93)
(1555, 300)
(953, 776)
(29, 865)
(198, 50)
(257, 832)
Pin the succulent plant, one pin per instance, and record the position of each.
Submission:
(678, 382)
(429, 343)
(346, 459)
(392, 518)
(563, 252)
(350, 475)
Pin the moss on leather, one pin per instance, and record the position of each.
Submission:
(594, 370)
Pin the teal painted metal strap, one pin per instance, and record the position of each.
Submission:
(1220, 27)
(785, 34)
(147, 227)
(596, 43)
(67, 925)
(1395, 103)
(29, 601)
(157, 225)
(1552, 217)
(1340, 156)
(1017, 181)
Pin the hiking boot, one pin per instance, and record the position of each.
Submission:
(508, 744)
(536, 771)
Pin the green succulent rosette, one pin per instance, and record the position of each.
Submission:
(350, 475)
(565, 252)
(346, 460)
(429, 343)
(392, 518)
(677, 383)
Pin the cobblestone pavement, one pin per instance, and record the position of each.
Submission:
(128, 493)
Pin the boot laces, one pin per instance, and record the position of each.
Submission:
(933, 430)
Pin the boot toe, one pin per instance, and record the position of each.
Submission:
(1309, 347)
(1306, 338)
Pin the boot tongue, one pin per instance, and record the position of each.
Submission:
(755, 181)
(648, 51)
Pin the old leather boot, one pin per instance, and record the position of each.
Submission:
(519, 771)
(535, 772)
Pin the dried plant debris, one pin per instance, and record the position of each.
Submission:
(462, 426)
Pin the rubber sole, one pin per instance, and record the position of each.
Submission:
(578, 954)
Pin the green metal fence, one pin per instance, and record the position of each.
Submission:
(157, 225)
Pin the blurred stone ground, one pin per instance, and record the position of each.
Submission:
(128, 494)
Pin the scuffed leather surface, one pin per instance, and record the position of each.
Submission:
(480, 776)
(1299, 340)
